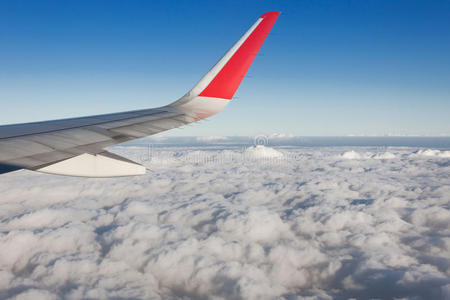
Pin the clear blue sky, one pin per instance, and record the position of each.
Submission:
(327, 68)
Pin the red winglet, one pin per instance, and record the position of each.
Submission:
(227, 81)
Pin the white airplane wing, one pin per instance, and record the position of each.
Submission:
(75, 147)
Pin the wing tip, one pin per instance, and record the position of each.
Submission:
(273, 14)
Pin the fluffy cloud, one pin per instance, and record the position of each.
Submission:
(434, 153)
(233, 223)
(211, 139)
(367, 155)
(260, 151)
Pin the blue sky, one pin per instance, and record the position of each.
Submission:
(327, 68)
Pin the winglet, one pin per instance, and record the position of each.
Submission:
(224, 78)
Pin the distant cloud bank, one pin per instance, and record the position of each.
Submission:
(436, 142)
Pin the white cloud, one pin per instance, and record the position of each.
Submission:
(254, 223)
(367, 155)
(209, 139)
(281, 136)
(434, 153)
(356, 155)
(260, 151)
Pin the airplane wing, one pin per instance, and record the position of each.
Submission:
(75, 146)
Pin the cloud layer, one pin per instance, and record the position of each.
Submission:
(233, 223)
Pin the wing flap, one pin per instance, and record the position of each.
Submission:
(16, 148)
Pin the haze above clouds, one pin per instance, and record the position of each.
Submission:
(291, 222)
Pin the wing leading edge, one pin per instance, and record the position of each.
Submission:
(75, 146)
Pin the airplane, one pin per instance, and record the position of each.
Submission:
(75, 146)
